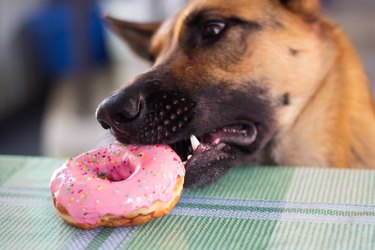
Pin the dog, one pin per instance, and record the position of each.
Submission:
(268, 82)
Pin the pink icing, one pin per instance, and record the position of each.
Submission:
(116, 180)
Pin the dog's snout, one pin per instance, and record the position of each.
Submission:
(118, 110)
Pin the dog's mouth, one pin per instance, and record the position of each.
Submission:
(217, 145)
(208, 139)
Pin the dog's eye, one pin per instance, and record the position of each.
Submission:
(212, 29)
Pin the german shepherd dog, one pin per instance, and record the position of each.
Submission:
(267, 82)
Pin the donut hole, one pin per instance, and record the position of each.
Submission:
(114, 173)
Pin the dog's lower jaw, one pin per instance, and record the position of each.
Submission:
(208, 165)
(217, 153)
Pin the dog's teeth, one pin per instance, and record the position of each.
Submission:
(188, 157)
(194, 142)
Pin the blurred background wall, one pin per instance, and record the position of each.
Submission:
(58, 61)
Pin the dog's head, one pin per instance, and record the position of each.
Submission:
(232, 74)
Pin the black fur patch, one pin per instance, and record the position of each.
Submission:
(285, 99)
(294, 52)
(284, 2)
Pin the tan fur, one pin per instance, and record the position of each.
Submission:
(336, 127)
(330, 121)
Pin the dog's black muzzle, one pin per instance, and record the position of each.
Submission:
(143, 113)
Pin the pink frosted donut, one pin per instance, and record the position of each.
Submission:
(118, 185)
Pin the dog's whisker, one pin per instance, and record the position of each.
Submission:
(105, 138)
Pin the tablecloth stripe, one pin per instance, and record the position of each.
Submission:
(9, 166)
(250, 234)
(80, 239)
(304, 207)
(98, 241)
(30, 202)
(119, 238)
(332, 186)
(276, 204)
(26, 191)
(301, 235)
(36, 172)
(43, 194)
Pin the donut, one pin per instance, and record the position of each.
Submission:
(118, 185)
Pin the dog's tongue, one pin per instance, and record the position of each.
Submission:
(223, 139)
(233, 135)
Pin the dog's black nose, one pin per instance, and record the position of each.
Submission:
(118, 110)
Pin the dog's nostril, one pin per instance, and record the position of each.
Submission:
(120, 118)
(131, 110)
(104, 124)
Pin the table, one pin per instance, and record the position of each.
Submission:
(250, 208)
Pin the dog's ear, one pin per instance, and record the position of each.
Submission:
(309, 9)
(137, 35)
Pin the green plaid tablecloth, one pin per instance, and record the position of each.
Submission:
(250, 208)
